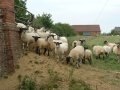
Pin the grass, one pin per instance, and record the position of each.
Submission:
(53, 82)
(110, 63)
(77, 84)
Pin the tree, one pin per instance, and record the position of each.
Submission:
(43, 21)
(63, 29)
(21, 14)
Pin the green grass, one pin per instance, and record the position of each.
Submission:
(109, 63)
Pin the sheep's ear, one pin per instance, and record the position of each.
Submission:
(33, 36)
(55, 42)
(60, 42)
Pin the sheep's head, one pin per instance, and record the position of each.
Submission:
(36, 38)
(75, 43)
(82, 41)
(105, 42)
(57, 44)
(118, 46)
(68, 59)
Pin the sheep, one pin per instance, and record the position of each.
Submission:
(116, 50)
(88, 55)
(107, 49)
(77, 54)
(61, 49)
(30, 29)
(43, 34)
(41, 29)
(27, 38)
(63, 39)
(78, 42)
(46, 44)
(109, 44)
(98, 50)
(75, 43)
(21, 25)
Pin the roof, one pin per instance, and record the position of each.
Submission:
(90, 28)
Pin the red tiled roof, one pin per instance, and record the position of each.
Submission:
(89, 28)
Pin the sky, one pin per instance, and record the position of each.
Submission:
(106, 13)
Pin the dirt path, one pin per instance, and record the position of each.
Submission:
(29, 64)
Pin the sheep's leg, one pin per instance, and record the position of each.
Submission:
(45, 51)
(83, 60)
(23, 46)
(48, 52)
(90, 61)
(78, 62)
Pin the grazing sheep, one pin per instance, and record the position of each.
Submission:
(98, 50)
(61, 49)
(76, 54)
(109, 44)
(116, 50)
(107, 49)
(88, 55)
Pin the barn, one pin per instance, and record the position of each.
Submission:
(87, 30)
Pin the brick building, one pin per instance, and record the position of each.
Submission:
(87, 30)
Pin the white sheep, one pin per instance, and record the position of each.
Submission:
(116, 50)
(98, 50)
(63, 39)
(43, 34)
(75, 43)
(107, 49)
(21, 25)
(78, 42)
(27, 38)
(61, 49)
(109, 44)
(88, 55)
(76, 54)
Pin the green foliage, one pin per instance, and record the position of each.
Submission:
(27, 83)
(114, 32)
(43, 21)
(63, 29)
(21, 14)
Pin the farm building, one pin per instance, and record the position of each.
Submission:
(87, 30)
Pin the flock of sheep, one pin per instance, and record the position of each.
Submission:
(44, 41)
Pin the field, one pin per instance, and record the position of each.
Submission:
(35, 72)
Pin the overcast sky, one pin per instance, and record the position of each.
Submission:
(106, 13)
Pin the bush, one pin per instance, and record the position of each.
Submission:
(63, 29)
(27, 83)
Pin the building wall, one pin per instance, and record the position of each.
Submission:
(88, 33)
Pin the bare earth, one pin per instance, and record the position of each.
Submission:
(97, 78)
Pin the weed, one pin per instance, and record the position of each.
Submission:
(27, 83)
(17, 66)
